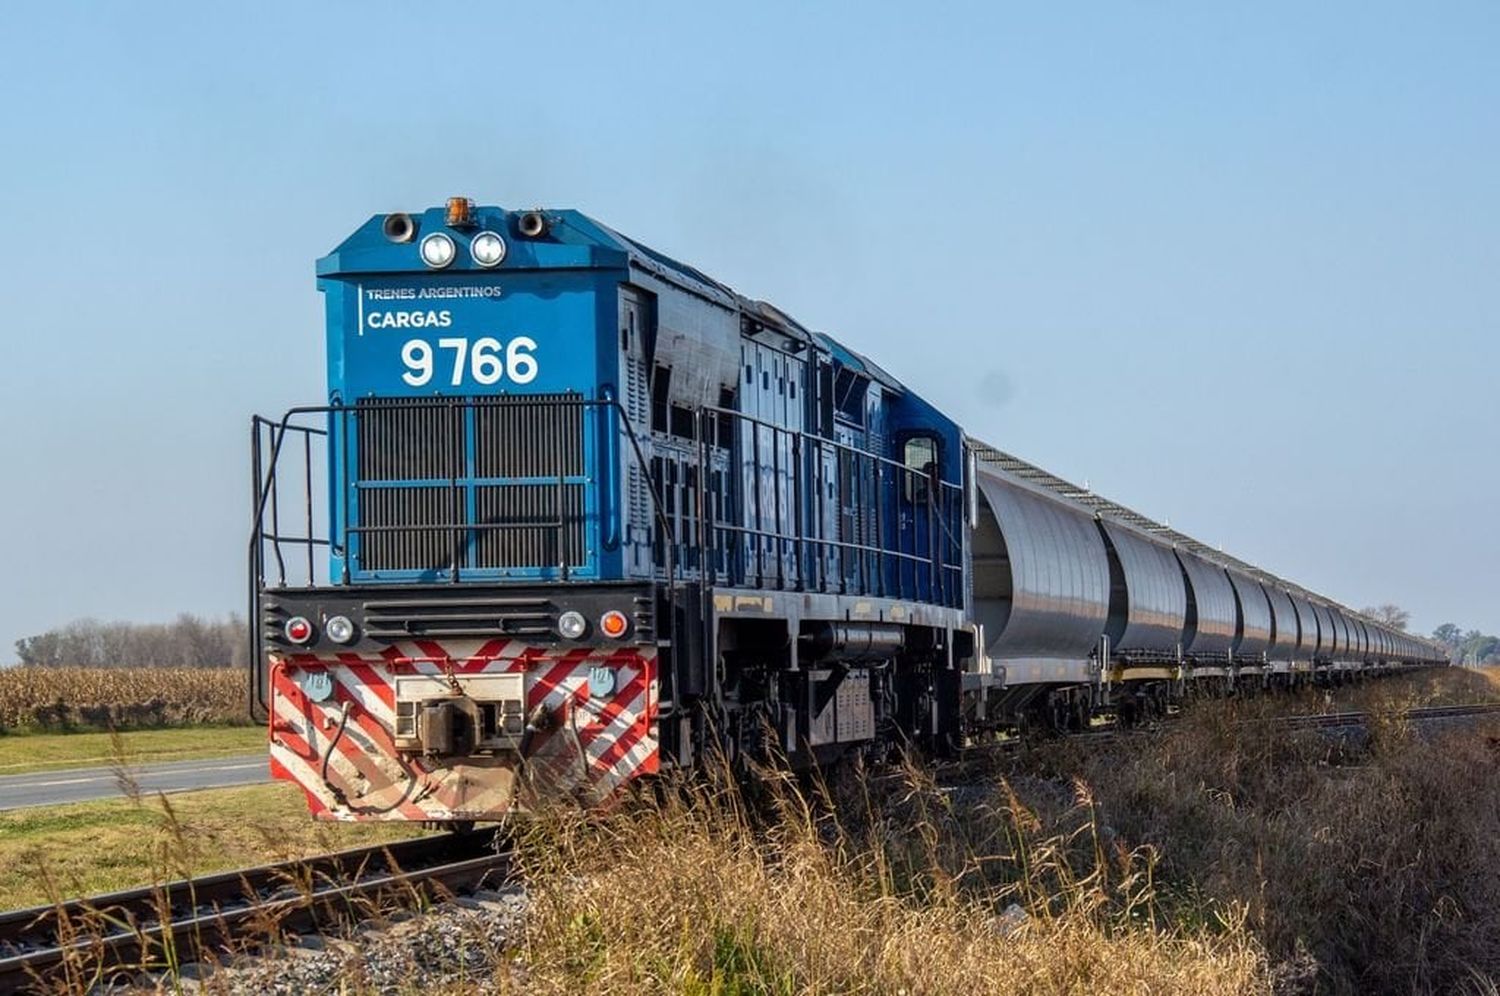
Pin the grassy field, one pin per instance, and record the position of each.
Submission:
(92, 847)
(30, 751)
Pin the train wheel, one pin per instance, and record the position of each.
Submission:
(1081, 714)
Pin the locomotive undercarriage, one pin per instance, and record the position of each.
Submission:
(810, 691)
(476, 718)
(1139, 691)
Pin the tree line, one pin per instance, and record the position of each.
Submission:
(187, 641)
(1469, 646)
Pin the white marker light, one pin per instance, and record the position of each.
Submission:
(339, 629)
(488, 249)
(438, 250)
(571, 625)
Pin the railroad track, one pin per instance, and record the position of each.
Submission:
(80, 943)
(1358, 720)
(977, 758)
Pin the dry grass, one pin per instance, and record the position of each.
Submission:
(1430, 687)
(1217, 856)
(1361, 867)
(63, 698)
(897, 892)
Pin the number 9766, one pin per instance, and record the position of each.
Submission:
(484, 361)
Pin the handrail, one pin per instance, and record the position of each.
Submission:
(834, 444)
(892, 559)
(609, 486)
(943, 554)
(280, 428)
(264, 500)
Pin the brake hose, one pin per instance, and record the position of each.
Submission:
(338, 793)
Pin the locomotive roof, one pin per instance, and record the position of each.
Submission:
(576, 239)
(763, 311)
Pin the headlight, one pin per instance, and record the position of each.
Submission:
(570, 625)
(437, 250)
(339, 629)
(613, 624)
(298, 630)
(488, 249)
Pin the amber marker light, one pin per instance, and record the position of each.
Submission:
(613, 624)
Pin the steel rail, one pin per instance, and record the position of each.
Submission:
(977, 756)
(1350, 720)
(84, 941)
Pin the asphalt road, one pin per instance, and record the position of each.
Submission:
(51, 788)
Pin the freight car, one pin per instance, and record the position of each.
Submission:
(574, 513)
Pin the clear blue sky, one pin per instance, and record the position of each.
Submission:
(1237, 269)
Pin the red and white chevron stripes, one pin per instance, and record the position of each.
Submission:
(595, 742)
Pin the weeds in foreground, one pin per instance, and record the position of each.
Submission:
(1217, 856)
(1425, 687)
(1363, 866)
(856, 889)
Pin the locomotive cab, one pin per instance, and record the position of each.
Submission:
(476, 385)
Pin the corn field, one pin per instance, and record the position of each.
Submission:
(61, 698)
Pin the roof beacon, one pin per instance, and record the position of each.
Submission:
(460, 212)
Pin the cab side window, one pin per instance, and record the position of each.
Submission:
(919, 455)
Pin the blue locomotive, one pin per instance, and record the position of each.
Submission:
(574, 512)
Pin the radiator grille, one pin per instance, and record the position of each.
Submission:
(517, 504)
(399, 441)
(528, 440)
(409, 548)
(475, 462)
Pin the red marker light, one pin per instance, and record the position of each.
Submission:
(298, 630)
